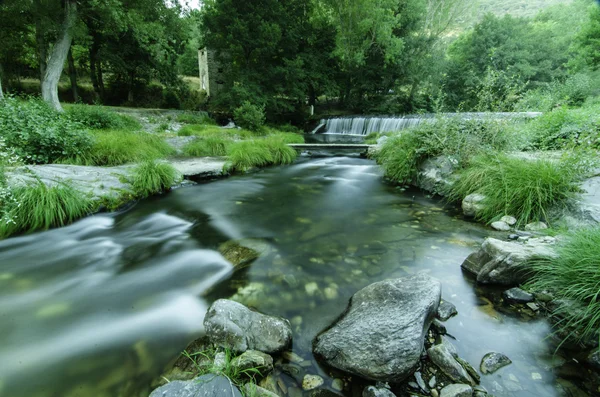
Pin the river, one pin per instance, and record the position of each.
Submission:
(99, 308)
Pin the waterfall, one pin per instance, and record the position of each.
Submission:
(364, 125)
(367, 125)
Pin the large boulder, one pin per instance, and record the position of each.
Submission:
(209, 385)
(472, 205)
(435, 174)
(505, 262)
(232, 325)
(380, 336)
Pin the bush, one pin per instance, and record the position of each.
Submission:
(249, 116)
(39, 207)
(97, 117)
(194, 118)
(209, 146)
(456, 137)
(525, 189)
(115, 147)
(573, 275)
(39, 134)
(152, 177)
(245, 155)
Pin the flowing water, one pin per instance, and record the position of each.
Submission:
(100, 307)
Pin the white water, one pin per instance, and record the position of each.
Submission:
(365, 125)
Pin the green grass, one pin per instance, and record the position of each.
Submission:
(525, 189)
(97, 117)
(39, 207)
(210, 146)
(152, 177)
(117, 147)
(372, 138)
(203, 130)
(399, 157)
(194, 118)
(574, 275)
(261, 152)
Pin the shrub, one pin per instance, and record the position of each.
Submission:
(245, 155)
(39, 207)
(249, 116)
(525, 189)
(209, 146)
(194, 118)
(97, 117)
(116, 147)
(459, 138)
(152, 177)
(39, 134)
(573, 275)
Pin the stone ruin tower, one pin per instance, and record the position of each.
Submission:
(211, 72)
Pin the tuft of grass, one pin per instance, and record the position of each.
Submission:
(245, 155)
(98, 117)
(117, 147)
(204, 130)
(208, 147)
(39, 207)
(399, 157)
(152, 177)
(194, 118)
(372, 138)
(525, 189)
(574, 275)
(286, 137)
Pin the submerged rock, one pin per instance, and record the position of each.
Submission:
(504, 262)
(536, 226)
(310, 382)
(206, 386)
(232, 325)
(492, 362)
(457, 390)
(446, 310)
(380, 337)
(243, 252)
(517, 295)
(441, 356)
(472, 205)
(256, 391)
(372, 391)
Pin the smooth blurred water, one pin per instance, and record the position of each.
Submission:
(100, 307)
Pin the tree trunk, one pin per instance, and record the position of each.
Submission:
(94, 49)
(100, 80)
(130, 94)
(57, 59)
(73, 75)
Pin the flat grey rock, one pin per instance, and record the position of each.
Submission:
(203, 386)
(200, 166)
(380, 336)
(500, 226)
(505, 262)
(517, 295)
(253, 359)
(232, 325)
(457, 390)
(372, 391)
(492, 362)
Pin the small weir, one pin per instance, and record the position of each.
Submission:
(365, 125)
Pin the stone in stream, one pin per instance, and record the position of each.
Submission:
(311, 382)
(472, 205)
(505, 262)
(509, 220)
(536, 226)
(435, 174)
(381, 335)
(253, 359)
(446, 310)
(441, 356)
(372, 391)
(457, 390)
(244, 252)
(492, 362)
(209, 385)
(517, 295)
(500, 226)
(256, 391)
(232, 325)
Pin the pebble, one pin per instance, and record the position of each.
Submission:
(330, 293)
(500, 226)
(536, 376)
(311, 382)
(421, 382)
(337, 384)
(311, 288)
(432, 382)
(533, 306)
(517, 295)
(536, 226)
(509, 220)
(434, 393)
